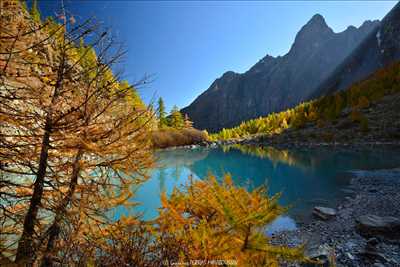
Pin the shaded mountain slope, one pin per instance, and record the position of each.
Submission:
(274, 84)
(368, 111)
(380, 48)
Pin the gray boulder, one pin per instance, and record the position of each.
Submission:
(372, 225)
(321, 255)
(324, 213)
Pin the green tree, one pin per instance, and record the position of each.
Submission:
(35, 13)
(176, 118)
(162, 119)
(24, 5)
(134, 97)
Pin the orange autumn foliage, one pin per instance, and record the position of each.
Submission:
(209, 220)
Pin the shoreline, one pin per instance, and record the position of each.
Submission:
(255, 142)
(371, 192)
(375, 193)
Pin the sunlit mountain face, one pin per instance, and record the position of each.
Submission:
(274, 84)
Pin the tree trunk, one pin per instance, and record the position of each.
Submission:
(25, 251)
(54, 229)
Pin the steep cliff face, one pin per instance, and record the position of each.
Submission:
(274, 84)
(380, 48)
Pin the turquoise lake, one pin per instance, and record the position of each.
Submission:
(305, 177)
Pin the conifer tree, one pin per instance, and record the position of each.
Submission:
(223, 221)
(69, 131)
(176, 118)
(73, 146)
(162, 120)
(35, 13)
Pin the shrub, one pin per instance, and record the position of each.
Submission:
(170, 137)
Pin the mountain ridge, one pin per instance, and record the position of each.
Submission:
(276, 83)
(381, 47)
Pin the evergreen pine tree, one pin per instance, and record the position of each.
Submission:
(35, 14)
(176, 118)
(162, 120)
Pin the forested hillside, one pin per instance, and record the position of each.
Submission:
(344, 109)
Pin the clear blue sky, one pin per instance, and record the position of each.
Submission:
(188, 44)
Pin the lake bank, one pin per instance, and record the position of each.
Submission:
(286, 140)
(375, 193)
(278, 142)
(297, 169)
(369, 192)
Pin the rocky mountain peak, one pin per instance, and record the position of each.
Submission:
(369, 23)
(318, 19)
(351, 28)
(276, 83)
(315, 31)
(380, 48)
(228, 75)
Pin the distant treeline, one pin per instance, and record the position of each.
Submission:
(326, 109)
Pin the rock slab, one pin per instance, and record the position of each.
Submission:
(320, 255)
(324, 213)
(372, 225)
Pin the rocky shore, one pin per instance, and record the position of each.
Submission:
(258, 141)
(263, 141)
(364, 229)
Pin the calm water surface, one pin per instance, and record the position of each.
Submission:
(306, 177)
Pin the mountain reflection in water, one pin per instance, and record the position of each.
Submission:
(306, 177)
